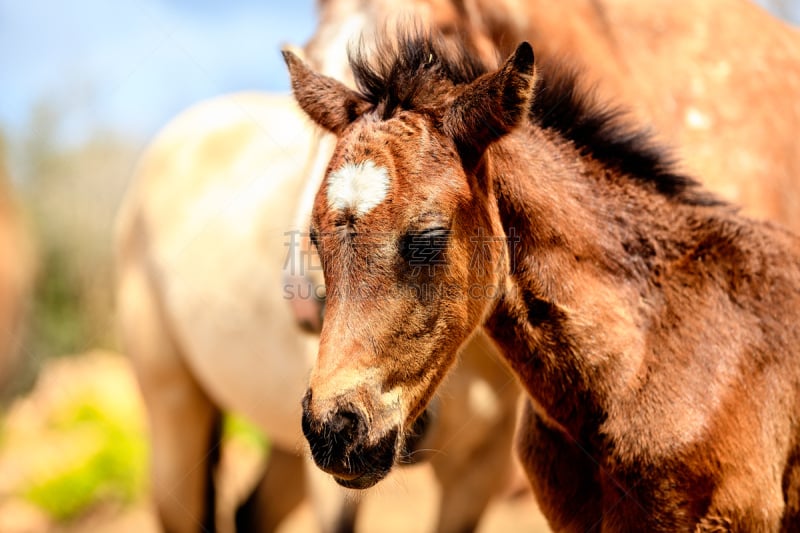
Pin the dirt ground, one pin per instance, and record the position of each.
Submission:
(405, 505)
(404, 502)
(408, 504)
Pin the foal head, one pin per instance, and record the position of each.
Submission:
(408, 234)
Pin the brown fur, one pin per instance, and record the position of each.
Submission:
(652, 326)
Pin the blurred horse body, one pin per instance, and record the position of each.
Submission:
(202, 239)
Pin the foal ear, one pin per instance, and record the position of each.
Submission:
(325, 100)
(493, 104)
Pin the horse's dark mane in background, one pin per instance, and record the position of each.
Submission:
(397, 74)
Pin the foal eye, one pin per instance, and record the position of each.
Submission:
(425, 248)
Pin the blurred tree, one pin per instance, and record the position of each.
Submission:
(72, 194)
(17, 267)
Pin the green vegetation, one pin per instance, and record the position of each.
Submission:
(90, 448)
(237, 428)
(109, 467)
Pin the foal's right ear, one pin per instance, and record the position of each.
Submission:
(327, 101)
(494, 104)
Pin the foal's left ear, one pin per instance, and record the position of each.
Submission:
(494, 104)
(328, 102)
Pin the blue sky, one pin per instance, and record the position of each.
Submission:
(130, 65)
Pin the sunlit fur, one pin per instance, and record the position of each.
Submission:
(651, 325)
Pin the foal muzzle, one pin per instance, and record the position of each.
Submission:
(341, 445)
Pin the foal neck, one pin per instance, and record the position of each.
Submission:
(587, 244)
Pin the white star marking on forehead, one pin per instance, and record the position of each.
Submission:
(358, 187)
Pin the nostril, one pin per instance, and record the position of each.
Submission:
(345, 424)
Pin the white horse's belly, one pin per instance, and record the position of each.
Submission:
(240, 339)
(250, 363)
(219, 254)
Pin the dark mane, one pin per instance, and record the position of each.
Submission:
(399, 75)
(605, 133)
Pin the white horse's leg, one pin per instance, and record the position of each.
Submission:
(184, 424)
(475, 437)
(468, 487)
(277, 493)
(335, 510)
